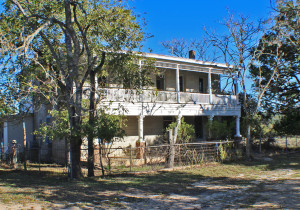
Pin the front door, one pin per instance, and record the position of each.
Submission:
(198, 127)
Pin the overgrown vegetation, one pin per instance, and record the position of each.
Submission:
(186, 132)
(220, 130)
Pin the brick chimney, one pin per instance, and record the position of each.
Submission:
(192, 54)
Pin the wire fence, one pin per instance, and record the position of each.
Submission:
(279, 142)
(152, 158)
(115, 160)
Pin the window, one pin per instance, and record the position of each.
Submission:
(160, 82)
(181, 84)
(201, 86)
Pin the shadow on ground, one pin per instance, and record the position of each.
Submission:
(241, 191)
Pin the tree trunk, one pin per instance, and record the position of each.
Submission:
(177, 128)
(91, 124)
(248, 143)
(2, 150)
(75, 143)
(67, 152)
(24, 145)
(101, 159)
(75, 157)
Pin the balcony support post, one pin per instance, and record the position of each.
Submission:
(237, 126)
(237, 136)
(141, 127)
(140, 144)
(177, 84)
(209, 86)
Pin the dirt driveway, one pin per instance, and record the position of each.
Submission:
(272, 182)
(275, 190)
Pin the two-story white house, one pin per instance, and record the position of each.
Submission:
(185, 87)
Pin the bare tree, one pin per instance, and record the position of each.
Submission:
(176, 46)
(243, 47)
(181, 47)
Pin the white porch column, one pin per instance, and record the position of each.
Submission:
(209, 86)
(177, 84)
(141, 127)
(237, 125)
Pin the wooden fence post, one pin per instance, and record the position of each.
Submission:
(14, 158)
(171, 151)
(2, 151)
(145, 153)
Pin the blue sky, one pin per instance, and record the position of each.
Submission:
(167, 19)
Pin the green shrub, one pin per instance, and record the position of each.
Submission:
(186, 132)
(220, 130)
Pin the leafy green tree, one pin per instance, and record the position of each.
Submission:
(64, 41)
(289, 124)
(5, 109)
(186, 132)
(283, 95)
(58, 128)
(284, 36)
(105, 128)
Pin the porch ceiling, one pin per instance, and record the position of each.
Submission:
(186, 64)
(194, 68)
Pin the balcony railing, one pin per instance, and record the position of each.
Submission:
(151, 96)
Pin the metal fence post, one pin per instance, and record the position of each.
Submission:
(217, 152)
(179, 155)
(286, 143)
(39, 151)
(130, 159)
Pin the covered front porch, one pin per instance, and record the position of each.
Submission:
(151, 129)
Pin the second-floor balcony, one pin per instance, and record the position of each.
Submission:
(152, 96)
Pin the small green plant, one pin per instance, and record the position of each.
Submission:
(224, 152)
